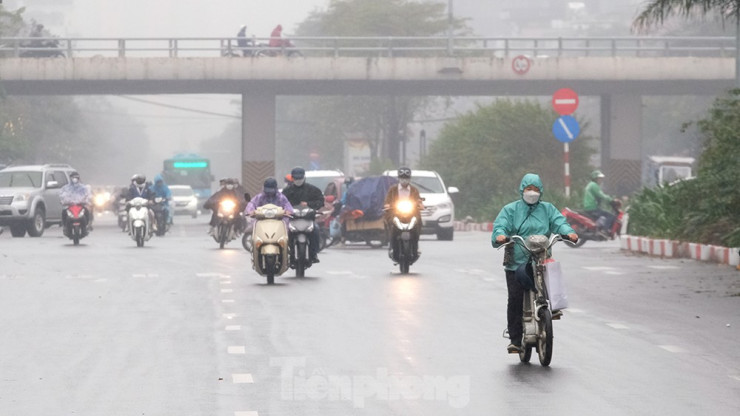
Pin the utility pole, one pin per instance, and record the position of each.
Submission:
(450, 19)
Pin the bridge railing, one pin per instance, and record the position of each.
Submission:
(499, 47)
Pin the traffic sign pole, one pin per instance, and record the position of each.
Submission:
(566, 166)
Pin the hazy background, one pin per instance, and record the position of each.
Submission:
(177, 123)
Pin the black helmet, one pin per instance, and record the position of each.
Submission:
(298, 173)
(270, 186)
(404, 172)
(74, 174)
(139, 179)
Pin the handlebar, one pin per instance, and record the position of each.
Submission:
(554, 238)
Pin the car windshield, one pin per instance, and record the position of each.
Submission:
(427, 184)
(181, 191)
(20, 179)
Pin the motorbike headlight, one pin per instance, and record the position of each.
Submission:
(405, 206)
(270, 213)
(228, 205)
(100, 200)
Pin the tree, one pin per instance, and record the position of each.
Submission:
(658, 10)
(489, 151)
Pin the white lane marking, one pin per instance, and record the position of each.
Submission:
(237, 350)
(233, 327)
(228, 301)
(736, 377)
(347, 273)
(227, 290)
(575, 310)
(230, 315)
(246, 413)
(618, 326)
(663, 267)
(597, 268)
(612, 272)
(225, 282)
(145, 275)
(102, 279)
(219, 275)
(672, 348)
(242, 378)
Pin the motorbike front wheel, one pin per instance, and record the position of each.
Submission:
(544, 338)
(76, 235)
(405, 257)
(139, 237)
(223, 232)
(300, 260)
(270, 269)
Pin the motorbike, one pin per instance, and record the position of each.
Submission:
(139, 227)
(122, 214)
(75, 222)
(300, 228)
(227, 217)
(324, 218)
(537, 316)
(160, 215)
(593, 228)
(404, 222)
(287, 49)
(270, 242)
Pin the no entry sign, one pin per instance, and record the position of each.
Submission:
(564, 101)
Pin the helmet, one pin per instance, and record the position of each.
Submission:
(270, 186)
(298, 173)
(596, 174)
(404, 172)
(74, 174)
(139, 179)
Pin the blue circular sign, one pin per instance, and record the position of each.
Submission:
(566, 129)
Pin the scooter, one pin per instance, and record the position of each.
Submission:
(404, 222)
(269, 242)
(140, 227)
(227, 217)
(160, 215)
(300, 228)
(593, 229)
(122, 214)
(75, 222)
(537, 317)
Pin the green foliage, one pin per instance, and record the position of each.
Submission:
(487, 152)
(704, 209)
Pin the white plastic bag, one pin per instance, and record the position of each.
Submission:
(555, 285)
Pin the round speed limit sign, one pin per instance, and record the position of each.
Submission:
(520, 64)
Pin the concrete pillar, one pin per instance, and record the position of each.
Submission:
(258, 140)
(621, 143)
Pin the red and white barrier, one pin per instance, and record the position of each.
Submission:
(679, 249)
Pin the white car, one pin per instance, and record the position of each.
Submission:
(438, 215)
(184, 200)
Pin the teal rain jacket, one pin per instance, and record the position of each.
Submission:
(520, 218)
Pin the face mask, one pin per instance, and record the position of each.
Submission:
(299, 182)
(75, 180)
(229, 187)
(404, 182)
(531, 197)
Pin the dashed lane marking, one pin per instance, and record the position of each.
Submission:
(242, 378)
(227, 301)
(227, 290)
(673, 348)
(246, 413)
(225, 282)
(145, 275)
(618, 326)
(736, 377)
(233, 327)
(236, 350)
(346, 273)
(663, 267)
(230, 315)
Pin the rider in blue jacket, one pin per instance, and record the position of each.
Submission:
(161, 189)
(526, 216)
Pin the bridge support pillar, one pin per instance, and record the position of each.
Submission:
(258, 140)
(621, 143)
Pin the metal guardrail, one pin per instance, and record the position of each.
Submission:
(374, 47)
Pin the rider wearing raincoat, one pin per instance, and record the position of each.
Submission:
(528, 215)
(161, 190)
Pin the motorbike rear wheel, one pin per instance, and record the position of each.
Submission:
(544, 338)
(76, 235)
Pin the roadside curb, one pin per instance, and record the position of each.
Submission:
(680, 249)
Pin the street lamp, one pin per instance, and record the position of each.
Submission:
(449, 27)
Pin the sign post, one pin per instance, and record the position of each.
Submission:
(565, 128)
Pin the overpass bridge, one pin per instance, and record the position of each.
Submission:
(618, 70)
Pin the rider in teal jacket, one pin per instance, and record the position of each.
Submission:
(526, 216)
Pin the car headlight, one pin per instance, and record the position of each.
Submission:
(445, 205)
(22, 197)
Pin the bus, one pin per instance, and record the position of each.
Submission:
(189, 169)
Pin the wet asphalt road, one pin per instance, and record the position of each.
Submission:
(179, 327)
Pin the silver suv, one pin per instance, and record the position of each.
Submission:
(29, 197)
